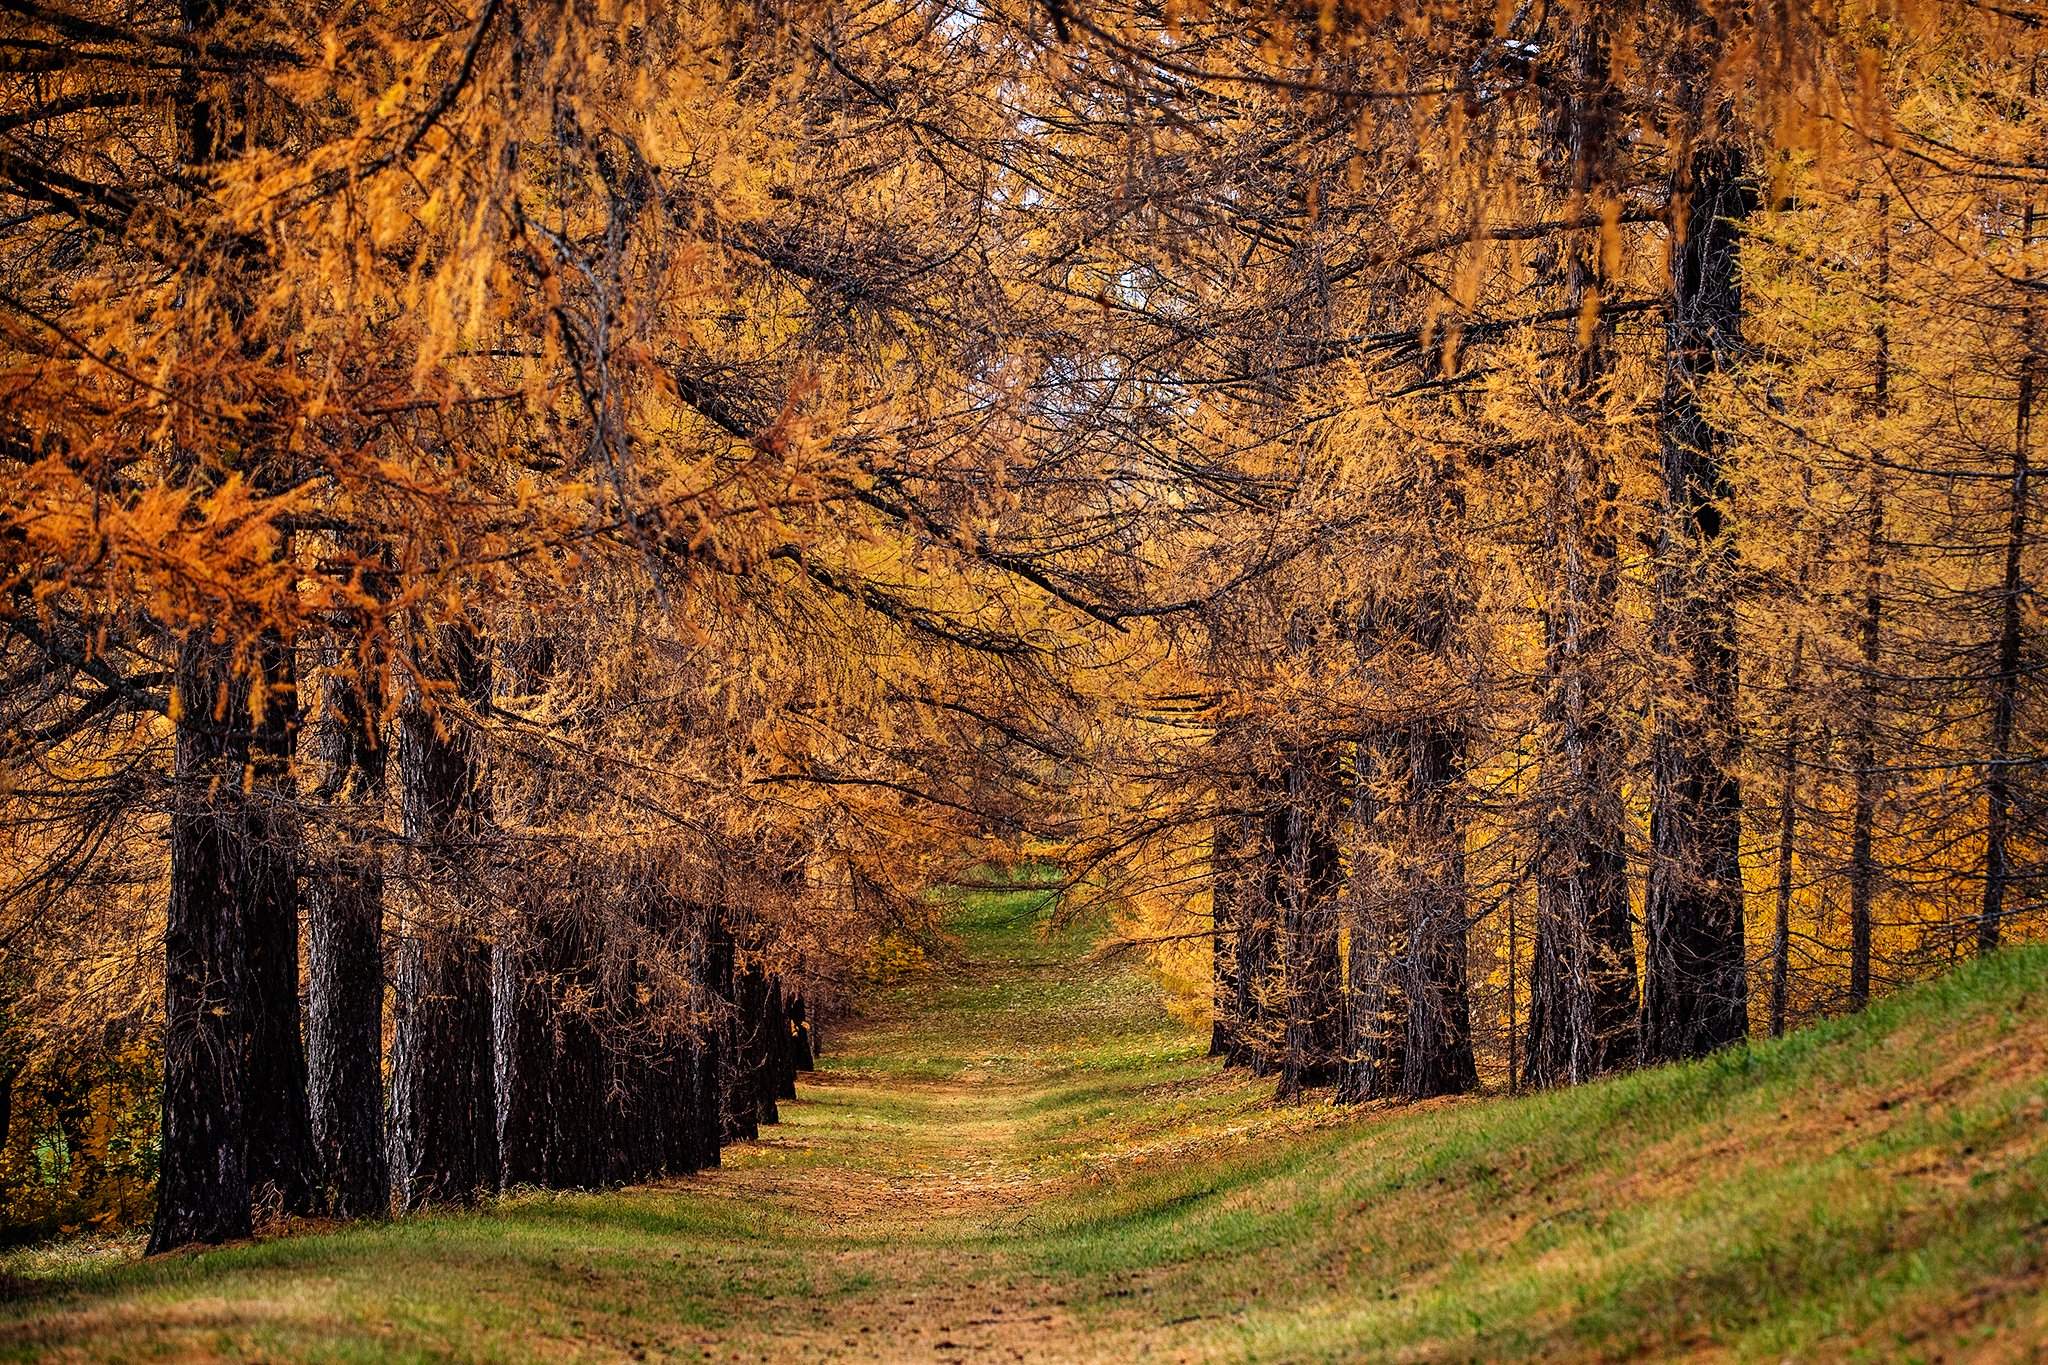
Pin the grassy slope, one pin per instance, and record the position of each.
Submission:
(1023, 1158)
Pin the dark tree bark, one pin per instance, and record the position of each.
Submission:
(707, 1127)
(9, 1070)
(634, 1102)
(1312, 1037)
(1409, 1030)
(1437, 1055)
(739, 1113)
(203, 1185)
(523, 1026)
(1376, 1009)
(1222, 942)
(282, 1164)
(553, 1064)
(1863, 758)
(1695, 981)
(678, 1144)
(345, 953)
(757, 1042)
(782, 1063)
(1582, 998)
(801, 1056)
(555, 1069)
(444, 1141)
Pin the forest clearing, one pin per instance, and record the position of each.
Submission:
(1025, 1159)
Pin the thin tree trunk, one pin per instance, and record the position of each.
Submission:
(2006, 682)
(1863, 737)
(1514, 1036)
(1224, 874)
(1788, 790)
(1863, 758)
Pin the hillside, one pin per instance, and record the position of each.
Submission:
(1023, 1158)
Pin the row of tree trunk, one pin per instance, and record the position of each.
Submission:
(1394, 1020)
(532, 1042)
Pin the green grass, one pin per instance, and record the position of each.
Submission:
(1019, 1154)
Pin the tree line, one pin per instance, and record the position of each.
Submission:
(1626, 639)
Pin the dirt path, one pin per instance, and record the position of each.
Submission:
(920, 1143)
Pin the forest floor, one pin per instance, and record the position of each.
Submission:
(1021, 1157)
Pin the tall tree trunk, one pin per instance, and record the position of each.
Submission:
(1695, 980)
(635, 1096)
(282, 1164)
(345, 950)
(554, 1065)
(1870, 644)
(1863, 754)
(203, 1156)
(203, 1185)
(673, 1101)
(444, 1141)
(570, 1061)
(1582, 980)
(533, 1062)
(2006, 680)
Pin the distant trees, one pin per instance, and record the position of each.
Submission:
(1686, 739)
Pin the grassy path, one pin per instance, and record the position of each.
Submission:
(1022, 1158)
